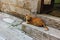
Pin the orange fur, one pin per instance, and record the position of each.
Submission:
(35, 21)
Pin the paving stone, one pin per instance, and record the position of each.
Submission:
(14, 34)
(8, 18)
(11, 30)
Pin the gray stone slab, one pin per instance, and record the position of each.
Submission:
(10, 28)
(40, 34)
(14, 34)
(9, 20)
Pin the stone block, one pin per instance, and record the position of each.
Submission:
(39, 33)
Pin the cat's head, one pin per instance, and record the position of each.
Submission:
(28, 17)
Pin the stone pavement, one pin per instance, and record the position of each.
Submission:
(10, 28)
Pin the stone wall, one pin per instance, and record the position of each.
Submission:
(0, 4)
(19, 6)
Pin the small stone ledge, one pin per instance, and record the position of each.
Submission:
(51, 21)
(39, 33)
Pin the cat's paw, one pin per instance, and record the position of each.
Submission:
(46, 29)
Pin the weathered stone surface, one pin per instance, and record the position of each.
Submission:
(9, 20)
(19, 5)
(10, 28)
(39, 33)
(14, 34)
(0, 5)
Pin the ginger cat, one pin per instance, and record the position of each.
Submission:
(35, 21)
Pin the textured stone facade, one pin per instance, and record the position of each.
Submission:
(19, 6)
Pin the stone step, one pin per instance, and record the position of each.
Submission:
(51, 21)
(8, 34)
(10, 28)
(38, 33)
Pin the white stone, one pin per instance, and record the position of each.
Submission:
(1, 38)
(8, 20)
